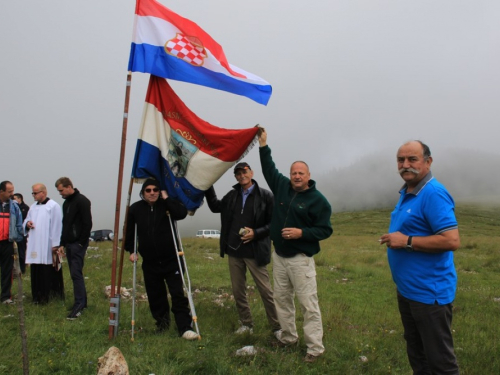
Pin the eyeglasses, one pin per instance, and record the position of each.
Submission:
(155, 190)
(35, 193)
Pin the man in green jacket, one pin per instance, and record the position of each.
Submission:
(301, 218)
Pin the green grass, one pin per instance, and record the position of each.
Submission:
(357, 299)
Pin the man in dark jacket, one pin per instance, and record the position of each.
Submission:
(301, 218)
(245, 217)
(21, 245)
(159, 258)
(77, 224)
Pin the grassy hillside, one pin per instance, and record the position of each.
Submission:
(363, 333)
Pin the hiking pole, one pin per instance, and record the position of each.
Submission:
(134, 284)
(20, 310)
(187, 288)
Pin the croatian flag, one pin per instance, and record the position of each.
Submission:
(185, 153)
(170, 46)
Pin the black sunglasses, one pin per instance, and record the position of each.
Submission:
(156, 190)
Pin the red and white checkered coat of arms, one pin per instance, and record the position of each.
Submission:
(188, 48)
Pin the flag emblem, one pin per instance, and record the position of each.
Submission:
(187, 48)
(180, 152)
(168, 45)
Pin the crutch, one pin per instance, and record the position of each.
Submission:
(134, 284)
(187, 288)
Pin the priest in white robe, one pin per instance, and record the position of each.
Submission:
(43, 226)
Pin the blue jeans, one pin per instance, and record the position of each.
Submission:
(429, 342)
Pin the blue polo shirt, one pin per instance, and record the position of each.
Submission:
(424, 277)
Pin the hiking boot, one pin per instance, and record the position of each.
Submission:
(77, 311)
(162, 326)
(8, 302)
(278, 333)
(244, 329)
(311, 358)
(190, 335)
(280, 344)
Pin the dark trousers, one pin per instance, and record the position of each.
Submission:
(21, 249)
(46, 283)
(157, 276)
(429, 342)
(238, 272)
(6, 265)
(75, 253)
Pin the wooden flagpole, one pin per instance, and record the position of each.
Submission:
(113, 312)
(20, 310)
(122, 252)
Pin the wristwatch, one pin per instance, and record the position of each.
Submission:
(409, 246)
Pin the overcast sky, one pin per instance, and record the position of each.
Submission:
(349, 77)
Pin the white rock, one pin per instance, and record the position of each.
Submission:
(112, 363)
(247, 350)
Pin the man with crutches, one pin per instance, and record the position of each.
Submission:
(159, 256)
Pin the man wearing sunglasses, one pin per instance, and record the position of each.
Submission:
(43, 225)
(159, 261)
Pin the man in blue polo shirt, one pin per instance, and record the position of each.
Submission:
(422, 237)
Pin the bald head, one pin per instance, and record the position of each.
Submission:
(426, 151)
(39, 192)
(299, 175)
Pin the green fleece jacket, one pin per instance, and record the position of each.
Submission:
(308, 210)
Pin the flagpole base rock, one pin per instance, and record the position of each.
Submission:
(112, 363)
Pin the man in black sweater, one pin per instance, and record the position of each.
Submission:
(77, 224)
(159, 260)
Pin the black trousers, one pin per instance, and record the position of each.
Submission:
(7, 266)
(75, 253)
(158, 276)
(46, 283)
(429, 342)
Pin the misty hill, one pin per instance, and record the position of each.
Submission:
(373, 181)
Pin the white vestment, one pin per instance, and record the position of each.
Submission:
(47, 222)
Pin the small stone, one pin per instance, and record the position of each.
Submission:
(247, 350)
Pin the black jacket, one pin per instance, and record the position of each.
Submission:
(24, 210)
(263, 208)
(77, 219)
(156, 242)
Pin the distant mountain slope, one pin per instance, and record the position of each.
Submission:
(373, 181)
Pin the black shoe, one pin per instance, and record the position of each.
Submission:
(73, 307)
(162, 326)
(77, 311)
